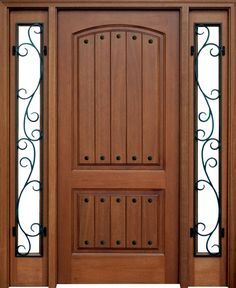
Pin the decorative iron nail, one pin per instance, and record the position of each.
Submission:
(102, 37)
(86, 157)
(118, 36)
(102, 200)
(118, 200)
(86, 200)
(150, 41)
(118, 242)
(86, 41)
(149, 158)
(102, 242)
(102, 157)
(134, 200)
(134, 242)
(150, 200)
(134, 158)
(134, 37)
(149, 242)
(86, 242)
(118, 158)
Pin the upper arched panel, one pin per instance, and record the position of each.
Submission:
(119, 28)
(118, 77)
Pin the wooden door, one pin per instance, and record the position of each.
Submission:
(118, 146)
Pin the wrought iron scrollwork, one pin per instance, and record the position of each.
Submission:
(31, 135)
(207, 143)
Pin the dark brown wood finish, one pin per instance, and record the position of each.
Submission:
(128, 37)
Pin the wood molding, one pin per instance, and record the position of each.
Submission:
(232, 154)
(185, 186)
(112, 2)
(52, 159)
(184, 149)
(4, 150)
(210, 271)
(121, 4)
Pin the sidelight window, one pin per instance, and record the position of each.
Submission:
(207, 52)
(29, 139)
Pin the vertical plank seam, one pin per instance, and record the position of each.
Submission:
(94, 96)
(126, 95)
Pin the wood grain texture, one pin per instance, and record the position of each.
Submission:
(184, 5)
(232, 148)
(4, 149)
(120, 108)
(207, 272)
(52, 148)
(136, 268)
(86, 221)
(102, 97)
(118, 97)
(23, 271)
(74, 177)
(86, 99)
(214, 266)
(118, 222)
(186, 267)
(102, 221)
(120, 3)
(134, 223)
(150, 207)
(152, 99)
(134, 97)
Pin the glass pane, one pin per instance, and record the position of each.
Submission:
(207, 68)
(29, 137)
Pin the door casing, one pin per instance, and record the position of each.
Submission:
(186, 263)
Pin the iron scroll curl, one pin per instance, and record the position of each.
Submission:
(26, 141)
(210, 144)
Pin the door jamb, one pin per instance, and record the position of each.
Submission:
(4, 147)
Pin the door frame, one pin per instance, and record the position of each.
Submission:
(186, 265)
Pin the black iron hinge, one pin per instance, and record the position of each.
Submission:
(45, 50)
(14, 50)
(192, 50)
(192, 232)
(14, 231)
(222, 50)
(222, 232)
(45, 231)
